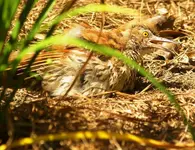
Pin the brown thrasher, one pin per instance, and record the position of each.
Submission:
(99, 75)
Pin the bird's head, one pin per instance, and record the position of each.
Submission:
(143, 39)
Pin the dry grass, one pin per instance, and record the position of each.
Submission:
(147, 113)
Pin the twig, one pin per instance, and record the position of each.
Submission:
(89, 57)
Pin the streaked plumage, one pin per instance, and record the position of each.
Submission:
(59, 67)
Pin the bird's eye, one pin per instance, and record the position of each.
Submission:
(145, 34)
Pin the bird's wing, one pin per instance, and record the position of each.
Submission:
(47, 58)
(108, 38)
(93, 79)
(58, 69)
(105, 37)
(60, 72)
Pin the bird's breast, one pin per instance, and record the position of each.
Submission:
(122, 78)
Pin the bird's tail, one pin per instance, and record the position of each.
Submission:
(10, 77)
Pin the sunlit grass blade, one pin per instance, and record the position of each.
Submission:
(20, 22)
(26, 41)
(65, 9)
(52, 28)
(102, 135)
(39, 20)
(36, 27)
(9, 46)
(94, 8)
(7, 11)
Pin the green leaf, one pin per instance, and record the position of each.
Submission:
(7, 11)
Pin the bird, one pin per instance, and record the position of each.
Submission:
(59, 66)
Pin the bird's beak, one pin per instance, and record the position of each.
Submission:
(157, 42)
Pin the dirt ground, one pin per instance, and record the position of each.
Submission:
(146, 112)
